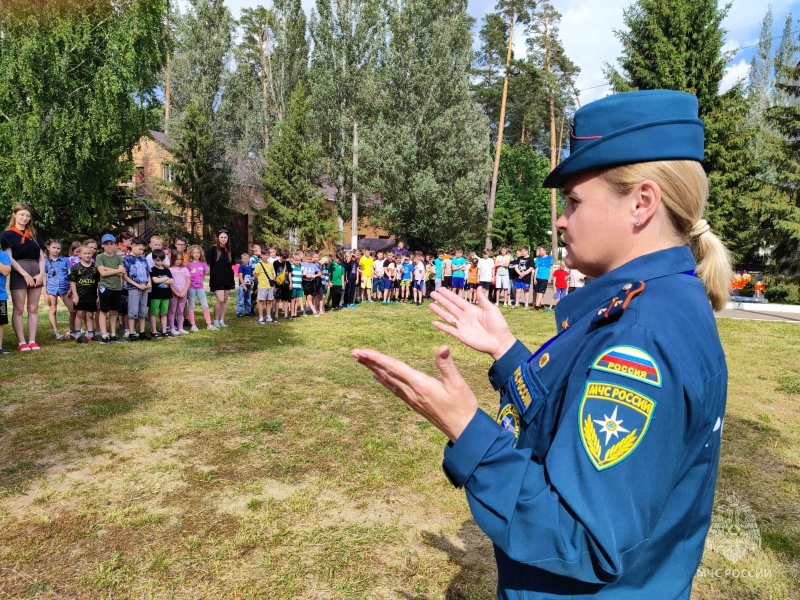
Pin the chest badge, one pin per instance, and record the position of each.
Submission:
(544, 359)
(612, 422)
(565, 324)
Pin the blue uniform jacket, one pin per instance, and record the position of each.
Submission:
(596, 479)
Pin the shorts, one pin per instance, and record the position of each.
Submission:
(540, 286)
(521, 285)
(297, 293)
(159, 306)
(3, 312)
(418, 284)
(137, 303)
(266, 294)
(366, 283)
(86, 306)
(110, 300)
(378, 285)
(309, 287)
(501, 281)
(458, 283)
(17, 281)
(470, 286)
(387, 284)
(485, 284)
(560, 293)
(405, 283)
(447, 281)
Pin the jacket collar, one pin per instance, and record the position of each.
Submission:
(587, 299)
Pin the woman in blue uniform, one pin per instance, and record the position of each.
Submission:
(596, 477)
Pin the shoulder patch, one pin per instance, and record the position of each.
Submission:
(509, 419)
(619, 303)
(629, 362)
(612, 421)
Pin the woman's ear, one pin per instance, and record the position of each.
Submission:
(645, 200)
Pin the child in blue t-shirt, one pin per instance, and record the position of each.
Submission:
(405, 283)
(459, 266)
(56, 270)
(244, 303)
(5, 271)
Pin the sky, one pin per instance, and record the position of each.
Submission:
(587, 34)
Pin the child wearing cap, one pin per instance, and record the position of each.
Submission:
(109, 265)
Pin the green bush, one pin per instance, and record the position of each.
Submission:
(782, 290)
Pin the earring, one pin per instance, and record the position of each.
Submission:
(637, 223)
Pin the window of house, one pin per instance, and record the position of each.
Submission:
(166, 172)
(139, 174)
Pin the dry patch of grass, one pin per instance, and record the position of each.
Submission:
(262, 462)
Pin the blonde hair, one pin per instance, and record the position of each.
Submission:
(684, 190)
(191, 249)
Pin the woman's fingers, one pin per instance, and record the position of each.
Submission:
(450, 301)
(443, 314)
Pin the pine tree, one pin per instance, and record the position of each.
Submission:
(428, 167)
(294, 206)
(508, 226)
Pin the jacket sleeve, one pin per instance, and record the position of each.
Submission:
(586, 508)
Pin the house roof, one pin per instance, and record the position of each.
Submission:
(374, 244)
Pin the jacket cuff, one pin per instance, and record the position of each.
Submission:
(462, 457)
(503, 369)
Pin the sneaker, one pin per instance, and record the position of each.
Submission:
(155, 335)
(105, 339)
(82, 339)
(239, 315)
(132, 337)
(59, 337)
(223, 324)
(212, 328)
(145, 336)
(174, 332)
(316, 314)
(4, 352)
(33, 346)
(261, 322)
(182, 332)
(112, 339)
(194, 328)
(268, 319)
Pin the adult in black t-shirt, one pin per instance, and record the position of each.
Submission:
(221, 282)
(26, 250)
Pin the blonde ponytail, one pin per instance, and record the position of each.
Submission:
(684, 190)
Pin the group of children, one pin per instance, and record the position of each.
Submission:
(119, 289)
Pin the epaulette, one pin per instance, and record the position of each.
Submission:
(618, 303)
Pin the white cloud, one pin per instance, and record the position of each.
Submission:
(733, 73)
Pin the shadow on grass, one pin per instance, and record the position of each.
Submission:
(764, 480)
(477, 575)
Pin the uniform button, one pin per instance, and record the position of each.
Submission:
(601, 311)
(627, 287)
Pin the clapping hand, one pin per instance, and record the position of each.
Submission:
(480, 327)
(448, 404)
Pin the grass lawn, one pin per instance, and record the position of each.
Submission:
(262, 462)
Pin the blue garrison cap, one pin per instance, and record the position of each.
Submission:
(631, 127)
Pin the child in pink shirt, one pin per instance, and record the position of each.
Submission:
(198, 269)
(180, 288)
